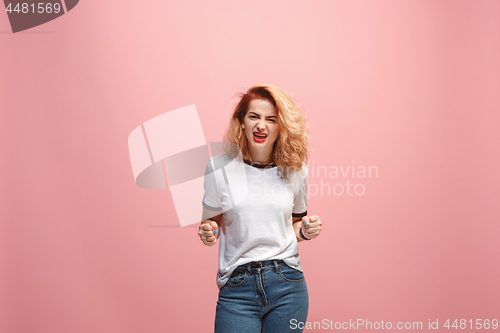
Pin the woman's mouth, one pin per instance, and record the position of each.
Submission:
(259, 137)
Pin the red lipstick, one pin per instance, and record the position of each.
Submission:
(260, 137)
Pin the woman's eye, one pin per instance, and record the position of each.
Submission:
(272, 120)
(253, 117)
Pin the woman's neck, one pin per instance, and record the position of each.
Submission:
(260, 157)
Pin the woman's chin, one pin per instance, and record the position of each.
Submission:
(259, 145)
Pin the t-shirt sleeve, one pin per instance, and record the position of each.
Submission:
(300, 201)
(211, 197)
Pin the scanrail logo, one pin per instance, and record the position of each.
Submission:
(170, 150)
(25, 15)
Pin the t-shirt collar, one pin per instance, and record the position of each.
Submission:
(257, 165)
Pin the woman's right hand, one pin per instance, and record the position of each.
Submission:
(208, 232)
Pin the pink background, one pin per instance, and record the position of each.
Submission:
(412, 87)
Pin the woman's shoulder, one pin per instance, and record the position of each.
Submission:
(217, 162)
(298, 175)
(304, 170)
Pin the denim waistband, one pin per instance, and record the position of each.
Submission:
(255, 265)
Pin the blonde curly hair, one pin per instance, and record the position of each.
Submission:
(291, 148)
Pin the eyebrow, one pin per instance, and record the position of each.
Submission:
(259, 115)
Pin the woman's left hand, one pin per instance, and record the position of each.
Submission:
(311, 226)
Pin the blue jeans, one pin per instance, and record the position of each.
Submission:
(262, 297)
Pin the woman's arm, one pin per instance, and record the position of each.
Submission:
(209, 229)
(217, 219)
(311, 227)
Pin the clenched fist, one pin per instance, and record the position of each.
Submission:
(208, 232)
(311, 226)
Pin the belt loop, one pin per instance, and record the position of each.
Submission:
(276, 266)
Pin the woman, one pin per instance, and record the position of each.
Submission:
(261, 283)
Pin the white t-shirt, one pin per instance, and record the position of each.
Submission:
(257, 209)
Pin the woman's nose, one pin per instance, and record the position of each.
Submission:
(261, 125)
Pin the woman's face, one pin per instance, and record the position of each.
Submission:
(261, 125)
